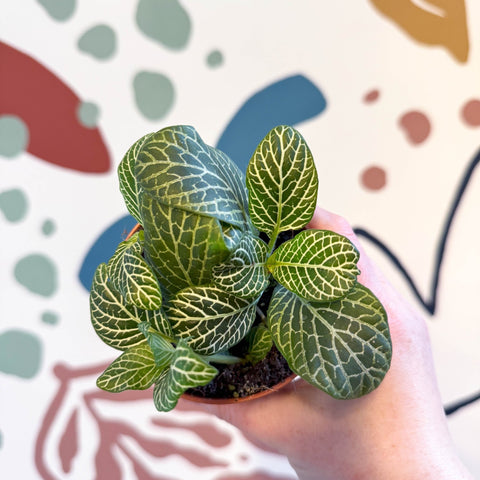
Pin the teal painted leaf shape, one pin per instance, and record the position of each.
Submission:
(318, 265)
(282, 182)
(134, 369)
(114, 321)
(178, 168)
(260, 344)
(127, 181)
(132, 276)
(187, 370)
(212, 320)
(342, 347)
(182, 246)
(244, 272)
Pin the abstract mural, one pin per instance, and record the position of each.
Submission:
(385, 92)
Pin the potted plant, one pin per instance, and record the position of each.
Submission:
(207, 283)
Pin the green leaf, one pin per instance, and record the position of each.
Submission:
(282, 182)
(210, 318)
(182, 246)
(134, 369)
(115, 322)
(342, 347)
(159, 321)
(132, 276)
(187, 370)
(179, 169)
(244, 272)
(318, 265)
(260, 344)
(162, 348)
(128, 183)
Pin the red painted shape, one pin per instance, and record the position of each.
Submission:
(69, 443)
(48, 107)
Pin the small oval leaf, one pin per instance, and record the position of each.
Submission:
(115, 322)
(342, 347)
(182, 246)
(318, 265)
(260, 343)
(134, 369)
(210, 318)
(244, 272)
(282, 182)
(132, 276)
(187, 370)
(126, 176)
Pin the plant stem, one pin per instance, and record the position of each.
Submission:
(222, 358)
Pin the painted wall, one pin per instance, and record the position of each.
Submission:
(387, 95)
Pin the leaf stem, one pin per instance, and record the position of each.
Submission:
(222, 358)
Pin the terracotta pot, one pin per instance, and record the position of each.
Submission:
(228, 400)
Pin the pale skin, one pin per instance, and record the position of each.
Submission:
(399, 431)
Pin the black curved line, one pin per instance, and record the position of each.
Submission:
(453, 407)
(430, 303)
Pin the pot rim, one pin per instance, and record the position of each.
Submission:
(230, 400)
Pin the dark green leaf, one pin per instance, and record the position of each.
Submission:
(282, 182)
(210, 318)
(181, 171)
(128, 183)
(131, 275)
(182, 246)
(115, 322)
(135, 369)
(342, 347)
(317, 265)
(244, 272)
(187, 370)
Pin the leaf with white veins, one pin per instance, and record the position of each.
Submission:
(134, 369)
(318, 265)
(182, 246)
(187, 370)
(181, 171)
(342, 347)
(126, 176)
(212, 320)
(244, 272)
(282, 182)
(114, 321)
(132, 276)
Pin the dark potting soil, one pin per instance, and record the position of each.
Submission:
(241, 380)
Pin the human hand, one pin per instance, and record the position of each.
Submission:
(398, 431)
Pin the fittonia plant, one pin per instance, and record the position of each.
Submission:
(179, 294)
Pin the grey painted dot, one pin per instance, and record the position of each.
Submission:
(154, 94)
(51, 318)
(99, 41)
(59, 9)
(20, 353)
(37, 273)
(164, 21)
(87, 114)
(13, 136)
(48, 227)
(13, 204)
(215, 58)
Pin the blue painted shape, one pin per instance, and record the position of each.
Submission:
(104, 247)
(286, 102)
